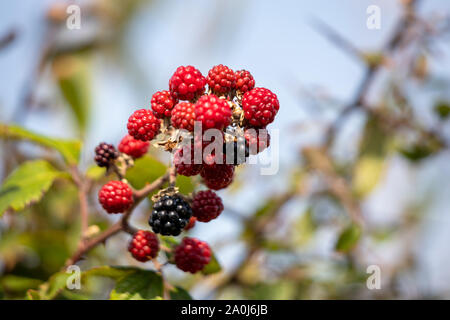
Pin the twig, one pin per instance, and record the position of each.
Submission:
(360, 97)
(166, 285)
(90, 244)
(336, 38)
(172, 176)
(318, 159)
(7, 39)
(152, 187)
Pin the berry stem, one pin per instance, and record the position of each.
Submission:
(166, 286)
(172, 176)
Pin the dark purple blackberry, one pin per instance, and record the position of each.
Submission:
(236, 152)
(104, 154)
(170, 215)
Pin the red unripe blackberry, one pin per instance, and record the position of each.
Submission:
(217, 176)
(206, 205)
(191, 223)
(104, 154)
(162, 103)
(192, 255)
(258, 140)
(133, 147)
(187, 83)
(170, 215)
(244, 81)
(115, 197)
(144, 246)
(213, 112)
(183, 116)
(143, 125)
(260, 106)
(183, 165)
(221, 80)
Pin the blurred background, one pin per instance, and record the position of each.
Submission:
(364, 170)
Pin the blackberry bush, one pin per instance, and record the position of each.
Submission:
(186, 120)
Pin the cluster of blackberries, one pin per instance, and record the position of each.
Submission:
(232, 105)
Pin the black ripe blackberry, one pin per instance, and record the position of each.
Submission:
(236, 152)
(170, 215)
(104, 154)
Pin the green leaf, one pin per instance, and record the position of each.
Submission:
(73, 77)
(50, 289)
(348, 238)
(33, 295)
(367, 173)
(375, 140)
(267, 207)
(27, 184)
(442, 109)
(140, 285)
(131, 283)
(145, 170)
(213, 266)
(69, 149)
(304, 228)
(373, 59)
(13, 283)
(56, 284)
(115, 273)
(420, 151)
(178, 293)
(185, 184)
(171, 243)
(372, 151)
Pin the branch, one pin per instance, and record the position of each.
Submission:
(372, 68)
(319, 160)
(172, 176)
(336, 38)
